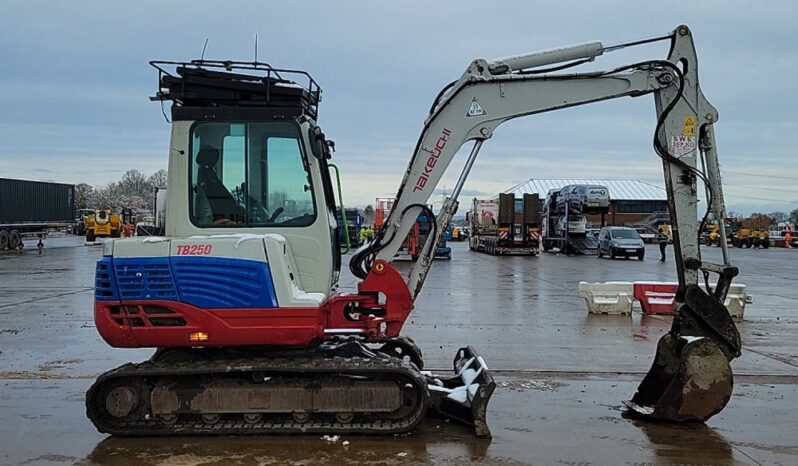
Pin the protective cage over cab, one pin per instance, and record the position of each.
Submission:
(213, 83)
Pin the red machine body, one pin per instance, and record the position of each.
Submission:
(166, 323)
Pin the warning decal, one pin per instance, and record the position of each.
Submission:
(475, 109)
(689, 125)
(683, 145)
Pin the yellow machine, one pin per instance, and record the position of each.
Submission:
(713, 230)
(103, 224)
(748, 237)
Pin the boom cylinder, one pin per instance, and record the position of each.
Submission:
(546, 57)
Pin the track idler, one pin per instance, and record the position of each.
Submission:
(691, 379)
(464, 397)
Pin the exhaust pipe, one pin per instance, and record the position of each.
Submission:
(464, 397)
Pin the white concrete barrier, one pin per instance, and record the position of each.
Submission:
(613, 298)
(736, 299)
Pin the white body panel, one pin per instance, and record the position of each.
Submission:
(312, 245)
(160, 207)
(273, 249)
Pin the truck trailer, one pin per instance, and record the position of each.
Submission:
(505, 226)
(31, 209)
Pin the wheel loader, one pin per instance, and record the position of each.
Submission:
(102, 224)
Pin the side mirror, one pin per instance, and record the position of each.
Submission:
(319, 145)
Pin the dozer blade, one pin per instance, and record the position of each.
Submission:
(465, 396)
(691, 379)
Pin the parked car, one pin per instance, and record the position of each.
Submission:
(620, 241)
(577, 225)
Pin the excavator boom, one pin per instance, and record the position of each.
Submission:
(490, 93)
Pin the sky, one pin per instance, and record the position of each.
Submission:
(74, 85)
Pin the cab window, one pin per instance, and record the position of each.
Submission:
(250, 174)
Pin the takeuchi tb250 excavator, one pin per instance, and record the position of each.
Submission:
(240, 296)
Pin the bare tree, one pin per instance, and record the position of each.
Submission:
(758, 221)
(158, 179)
(83, 193)
(778, 216)
(133, 191)
(133, 182)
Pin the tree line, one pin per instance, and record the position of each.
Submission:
(762, 221)
(134, 191)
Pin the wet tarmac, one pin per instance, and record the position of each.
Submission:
(562, 375)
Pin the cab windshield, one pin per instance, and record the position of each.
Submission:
(249, 174)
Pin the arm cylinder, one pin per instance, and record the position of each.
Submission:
(546, 57)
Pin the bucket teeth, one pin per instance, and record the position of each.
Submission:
(464, 397)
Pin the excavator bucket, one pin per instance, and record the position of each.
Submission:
(464, 397)
(691, 379)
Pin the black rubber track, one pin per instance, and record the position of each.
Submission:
(139, 423)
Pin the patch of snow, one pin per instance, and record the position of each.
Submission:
(459, 394)
(472, 390)
(155, 239)
(482, 363)
(243, 237)
(691, 339)
(469, 375)
(300, 295)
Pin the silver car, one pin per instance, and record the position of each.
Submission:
(620, 242)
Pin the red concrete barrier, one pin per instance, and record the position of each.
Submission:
(655, 297)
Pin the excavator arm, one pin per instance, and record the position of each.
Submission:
(691, 378)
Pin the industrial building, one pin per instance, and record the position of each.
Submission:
(632, 202)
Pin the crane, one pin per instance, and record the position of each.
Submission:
(240, 296)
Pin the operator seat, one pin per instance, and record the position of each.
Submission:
(210, 188)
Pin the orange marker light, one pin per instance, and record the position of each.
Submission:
(198, 336)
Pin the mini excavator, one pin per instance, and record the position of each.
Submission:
(240, 295)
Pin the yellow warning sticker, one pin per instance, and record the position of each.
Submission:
(689, 125)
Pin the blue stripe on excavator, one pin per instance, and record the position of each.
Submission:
(204, 282)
